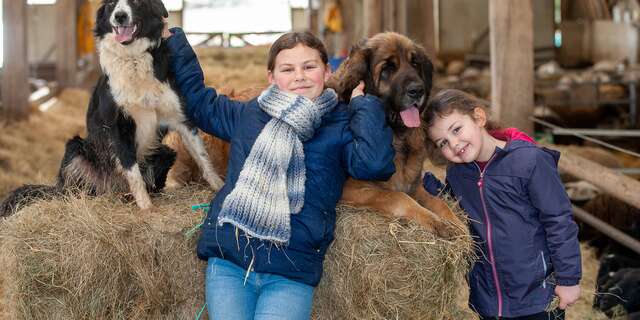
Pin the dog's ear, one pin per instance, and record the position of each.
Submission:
(102, 21)
(351, 71)
(158, 8)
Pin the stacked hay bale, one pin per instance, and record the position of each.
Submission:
(82, 258)
(381, 269)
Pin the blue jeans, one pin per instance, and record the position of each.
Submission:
(264, 296)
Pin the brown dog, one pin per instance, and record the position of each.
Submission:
(398, 71)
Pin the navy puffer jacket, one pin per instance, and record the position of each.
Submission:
(353, 140)
(522, 222)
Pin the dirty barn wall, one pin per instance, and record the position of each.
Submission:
(463, 22)
(41, 33)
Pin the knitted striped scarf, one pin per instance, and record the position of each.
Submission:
(270, 186)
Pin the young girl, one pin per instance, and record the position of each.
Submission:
(268, 228)
(519, 211)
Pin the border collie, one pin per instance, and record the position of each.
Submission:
(134, 103)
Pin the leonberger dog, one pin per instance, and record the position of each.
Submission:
(398, 71)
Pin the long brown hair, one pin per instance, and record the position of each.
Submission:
(291, 39)
(443, 104)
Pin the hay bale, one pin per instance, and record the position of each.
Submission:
(99, 258)
(381, 269)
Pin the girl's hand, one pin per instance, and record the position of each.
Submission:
(568, 295)
(358, 91)
(165, 31)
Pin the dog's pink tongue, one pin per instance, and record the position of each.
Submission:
(124, 34)
(411, 117)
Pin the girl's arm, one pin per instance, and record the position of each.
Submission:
(213, 113)
(369, 156)
(548, 195)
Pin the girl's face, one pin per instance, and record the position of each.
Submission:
(300, 71)
(461, 138)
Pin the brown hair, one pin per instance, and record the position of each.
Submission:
(291, 39)
(443, 104)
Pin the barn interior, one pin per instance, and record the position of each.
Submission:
(564, 71)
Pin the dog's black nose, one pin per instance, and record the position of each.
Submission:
(415, 90)
(121, 17)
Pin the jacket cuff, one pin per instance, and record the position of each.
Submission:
(431, 184)
(365, 101)
(176, 30)
(177, 39)
(567, 282)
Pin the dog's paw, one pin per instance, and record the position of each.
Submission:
(446, 229)
(442, 228)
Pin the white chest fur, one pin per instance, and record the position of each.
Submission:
(137, 91)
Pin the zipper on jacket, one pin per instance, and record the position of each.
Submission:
(489, 235)
(544, 269)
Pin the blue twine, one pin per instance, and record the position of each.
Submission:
(201, 311)
(205, 208)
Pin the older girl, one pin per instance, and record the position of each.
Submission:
(269, 227)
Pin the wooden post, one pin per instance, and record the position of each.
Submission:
(372, 17)
(388, 15)
(429, 28)
(67, 57)
(351, 24)
(401, 16)
(511, 39)
(15, 88)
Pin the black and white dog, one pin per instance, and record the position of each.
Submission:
(134, 102)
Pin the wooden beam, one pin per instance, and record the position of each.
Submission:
(511, 39)
(372, 17)
(67, 57)
(15, 88)
(607, 180)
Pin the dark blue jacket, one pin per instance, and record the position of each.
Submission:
(352, 140)
(520, 217)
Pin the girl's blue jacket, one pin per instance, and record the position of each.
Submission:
(521, 219)
(353, 140)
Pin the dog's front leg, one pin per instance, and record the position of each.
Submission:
(393, 204)
(195, 146)
(137, 186)
(128, 165)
